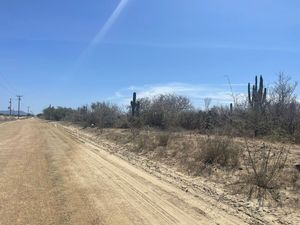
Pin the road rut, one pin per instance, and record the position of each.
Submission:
(48, 176)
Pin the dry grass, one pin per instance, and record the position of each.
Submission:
(252, 170)
(258, 175)
(296, 180)
(163, 139)
(146, 142)
(297, 138)
(220, 151)
(264, 168)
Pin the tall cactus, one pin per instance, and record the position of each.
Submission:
(135, 106)
(258, 97)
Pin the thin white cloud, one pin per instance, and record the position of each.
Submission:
(220, 94)
(105, 28)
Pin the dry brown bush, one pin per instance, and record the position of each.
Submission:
(295, 179)
(264, 167)
(163, 139)
(297, 137)
(145, 143)
(221, 151)
(141, 142)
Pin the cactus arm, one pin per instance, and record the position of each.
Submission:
(249, 94)
(261, 86)
(265, 95)
(254, 93)
(134, 97)
(256, 84)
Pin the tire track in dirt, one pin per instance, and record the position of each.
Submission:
(51, 177)
(101, 157)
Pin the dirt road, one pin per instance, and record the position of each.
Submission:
(48, 176)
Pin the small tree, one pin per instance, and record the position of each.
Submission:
(207, 102)
(105, 115)
(283, 92)
(284, 105)
(164, 110)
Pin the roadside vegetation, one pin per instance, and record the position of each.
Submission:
(273, 113)
(213, 141)
(5, 118)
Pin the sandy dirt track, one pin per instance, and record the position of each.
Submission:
(47, 176)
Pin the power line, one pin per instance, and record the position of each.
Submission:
(9, 107)
(19, 104)
(7, 85)
(7, 89)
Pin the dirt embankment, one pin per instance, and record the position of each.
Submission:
(4, 119)
(169, 160)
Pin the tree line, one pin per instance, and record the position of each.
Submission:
(274, 112)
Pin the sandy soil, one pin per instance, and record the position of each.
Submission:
(50, 176)
(216, 190)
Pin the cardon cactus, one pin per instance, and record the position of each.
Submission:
(258, 97)
(135, 106)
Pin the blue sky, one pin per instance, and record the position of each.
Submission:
(74, 52)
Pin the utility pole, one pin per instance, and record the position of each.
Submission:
(28, 110)
(19, 104)
(9, 107)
